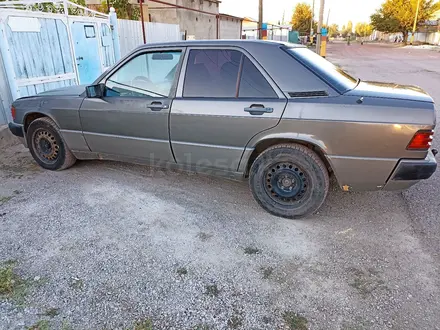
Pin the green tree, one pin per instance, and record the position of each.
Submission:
(347, 29)
(363, 30)
(301, 18)
(333, 30)
(398, 15)
(124, 9)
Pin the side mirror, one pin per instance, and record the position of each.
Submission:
(95, 91)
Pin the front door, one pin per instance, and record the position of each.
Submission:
(85, 40)
(132, 119)
(222, 101)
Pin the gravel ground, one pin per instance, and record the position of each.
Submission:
(104, 245)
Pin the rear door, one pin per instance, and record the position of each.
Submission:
(223, 99)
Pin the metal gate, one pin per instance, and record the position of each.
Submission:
(47, 45)
(86, 47)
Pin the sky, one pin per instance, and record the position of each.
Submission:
(341, 11)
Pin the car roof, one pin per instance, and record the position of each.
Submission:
(232, 42)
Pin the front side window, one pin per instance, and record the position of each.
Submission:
(224, 73)
(147, 75)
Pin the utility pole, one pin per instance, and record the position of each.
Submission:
(328, 17)
(260, 19)
(311, 23)
(321, 19)
(415, 23)
(142, 21)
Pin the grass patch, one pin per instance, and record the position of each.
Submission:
(76, 283)
(5, 199)
(235, 322)
(267, 272)
(40, 325)
(143, 325)
(12, 286)
(295, 321)
(52, 312)
(365, 282)
(182, 271)
(204, 236)
(212, 290)
(251, 250)
(66, 325)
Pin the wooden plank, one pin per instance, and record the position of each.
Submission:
(42, 55)
(63, 40)
(24, 91)
(27, 53)
(39, 88)
(57, 56)
(47, 44)
(17, 57)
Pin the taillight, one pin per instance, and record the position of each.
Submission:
(13, 113)
(421, 141)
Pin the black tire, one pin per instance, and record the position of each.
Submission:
(289, 180)
(47, 145)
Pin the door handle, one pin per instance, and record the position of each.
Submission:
(157, 106)
(258, 109)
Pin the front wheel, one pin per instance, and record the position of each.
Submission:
(47, 146)
(289, 181)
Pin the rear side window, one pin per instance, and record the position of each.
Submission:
(252, 82)
(216, 73)
(212, 73)
(334, 75)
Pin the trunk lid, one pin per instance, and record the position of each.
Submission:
(390, 91)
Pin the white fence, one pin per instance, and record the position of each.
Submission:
(432, 38)
(130, 34)
(70, 55)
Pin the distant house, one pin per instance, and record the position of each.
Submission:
(230, 27)
(200, 24)
(429, 31)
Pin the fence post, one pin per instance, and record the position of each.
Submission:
(8, 66)
(115, 33)
(71, 43)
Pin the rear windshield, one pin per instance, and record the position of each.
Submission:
(334, 75)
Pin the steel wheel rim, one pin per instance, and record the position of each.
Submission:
(46, 146)
(286, 183)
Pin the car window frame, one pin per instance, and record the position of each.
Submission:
(131, 56)
(184, 66)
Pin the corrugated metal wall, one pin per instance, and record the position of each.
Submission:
(130, 34)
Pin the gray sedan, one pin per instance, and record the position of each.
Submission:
(275, 113)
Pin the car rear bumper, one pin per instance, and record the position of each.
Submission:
(410, 171)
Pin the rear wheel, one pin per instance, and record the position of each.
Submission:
(289, 180)
(47, 146)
